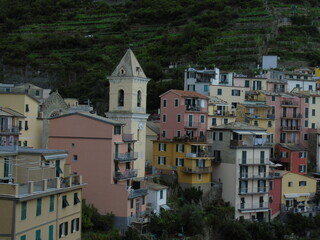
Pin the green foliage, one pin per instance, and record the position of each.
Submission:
(113, 234)
(191, 195)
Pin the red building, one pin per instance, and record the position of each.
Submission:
(275, 194)
(293, 158)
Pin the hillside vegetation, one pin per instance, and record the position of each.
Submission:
(79, 42)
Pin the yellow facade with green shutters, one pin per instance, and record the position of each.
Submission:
(189, 160)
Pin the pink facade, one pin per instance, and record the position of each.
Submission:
(9, 130)
(183, 114)
(290, 112)
(104, 156)
(275, 195)
(277, 86)
(293, 158)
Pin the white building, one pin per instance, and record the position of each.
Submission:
(157, 197)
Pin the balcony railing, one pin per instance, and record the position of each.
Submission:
(129, 173)
(293, 116)
(254, 175)
(250, 161)
(252, 206)
(9, 130)
(125, 157)
(193, 108)
(188, 124)
(197, 170)
(135, 193)
(256, 190)
(290, 128)
(289, 103)
(255, 142)
(199, 155)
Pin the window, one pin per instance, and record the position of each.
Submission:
(313, 100)
(117, 130)
(199, 177)
(162, 160)
(23, 210)
(269, 124)
(178, 133)
(51, 209)
(219, 91)
(23, 237)
(297, 85)
(26, 125)
(161, 194)
(162, 147)
(121, 98)
(202, 118)
(27, 107)
(63, 229)
(205, 88)
(143, 200)
(164, 118)
(37, 93)
(75, 158)
(65, 202)
(302, 154)
(214, 122)
(163, 133)
(220, 136)
(76, 199)
(302, 168)
(306, 100)
(235, 92)
(50, 232)
(139, 99)
(306, 112)
(244, 157)
(247, 83)
(313, 112)
(39, 203)
(310, 86)
(225, 121)
(290, 184)
(313, 125)
(75, 225)
(306, 123)
(164, 103)
(180, 148)
(305, 137)
(38, 234)
(131, 203)
(214, 136)
(270, 185)
(176, 102)
(302, 183)
(179, 162)
(262, 157)
(179, 118)
(273, 98)
(270, 199)
(284, 154)
(20, 125)
(256, 123)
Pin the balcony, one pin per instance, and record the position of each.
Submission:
(247, 207)
(261, 175)
(129, 173)
(135, 193)
(294, 116)
(199, 155)
(290, 128)
(126, 157)
(188, 124)
(197, 170)
(255, 142)
(290, 104)
(126, 137)
(193, 108)
(9, 130)
(250, 191)
(253, 162)
(224, 113)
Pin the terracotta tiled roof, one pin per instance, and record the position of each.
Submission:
(183, 93)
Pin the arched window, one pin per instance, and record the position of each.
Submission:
(139, 99)
(120, 98)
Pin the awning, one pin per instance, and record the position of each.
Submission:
(261, 133)
(296, 195)
(55, 156)
(165, 207)
(243, 132)
(251, 132)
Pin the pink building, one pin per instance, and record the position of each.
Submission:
(275, 194)
(293, 158)
(104, 156)
(9, 128)
(291, 114)
(183, 114)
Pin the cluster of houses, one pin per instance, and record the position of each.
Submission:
(251, 141)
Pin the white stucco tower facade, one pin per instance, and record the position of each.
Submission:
(127, 103)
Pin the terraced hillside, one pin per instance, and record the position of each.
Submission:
(73, 45)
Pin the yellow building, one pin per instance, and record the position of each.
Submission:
(152, 134)
(257, 114)
(231, 94)
(190, 161)
(297, 192)
(220, 112)
(39, 196)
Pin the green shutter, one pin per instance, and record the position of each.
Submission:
(39, 203)
(50, 237)
(23, 210)
(38, 234)
(244, 156)
(176, 161)
(64, 202)
(262, 157)
(76, 200)
(51, 203)
(23, 237)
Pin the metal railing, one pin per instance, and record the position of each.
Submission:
(199, 155)
(290, 128)
(189, 124)
(247, 206)
(135, 193)
(9, 129)
(197, 170)
(125, 157)
(129, 173)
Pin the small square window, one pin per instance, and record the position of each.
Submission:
(65, 202)
(290, 184)
(219, 91)
(117, 130)
(164, 102)
(75, 158)
(176, 102)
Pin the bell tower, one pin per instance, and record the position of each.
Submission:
(128, 101)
